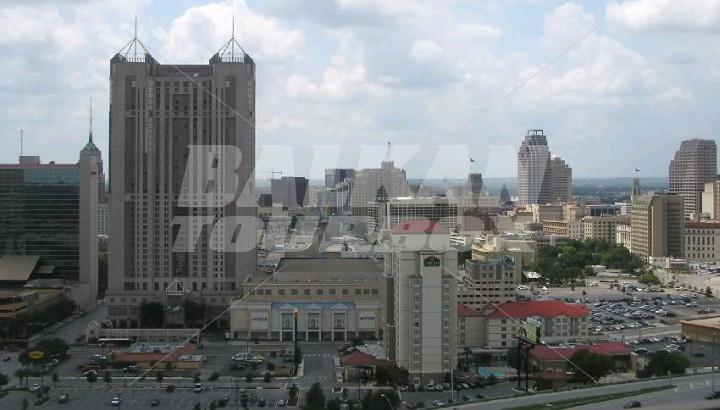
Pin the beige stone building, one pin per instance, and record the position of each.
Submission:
(488, 281)
(335, 300)
(571, 229)
(711, 199)
(658, 225)
(602, 227)
(702, 241)
(623, 235)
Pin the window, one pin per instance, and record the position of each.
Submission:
(319, 292)
(293, 291)
(306, 291)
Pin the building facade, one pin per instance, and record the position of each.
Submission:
(560, 180)
(602, 228)
(711, 199)
(623, 235)
(569, 229)
(373, 183)
(695, 163)
(334, 176)
(658, 225)
(488, 281)
(335, 300)
(390, 213)
(290, 192)
(422, 284)
(182, 141)
(533, 182)
(702, 241)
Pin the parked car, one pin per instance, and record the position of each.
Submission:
(154, 403)
(34, 387)
(116, 401)
(713, 395)
(63, 398)
(198, 388)
(632, 405)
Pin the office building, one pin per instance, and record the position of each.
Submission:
(422, 284)
(560, 180)
(534, 169)
(623, 235)
(602, 228)
(334, 176)
(658, 225)
(182, 139)
(377, 183)
(702, 241)
(569, 229)
(475, 184)
(695, 163)
(336, 299)
(390, 213)
(711, 199)
(49, 217)
(290, 192)
(488, 281)
(545, 212)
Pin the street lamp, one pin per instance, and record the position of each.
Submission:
(387, 400)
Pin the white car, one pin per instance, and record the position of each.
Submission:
(281, 403)
(439, 387)
(198, 388)
(544, 288)
(522, 287)
(429, 387)
(116, 401)
(594, 284)
(34, 387)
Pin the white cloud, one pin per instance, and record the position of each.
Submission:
(200, 31)
(665, 15)
(565, 25)
(425, 50)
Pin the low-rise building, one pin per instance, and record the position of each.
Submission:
(623, 235)
(702, 330)
(557, 359)
(558, 321)
(702, 241)
(333, 299)
(570, 229)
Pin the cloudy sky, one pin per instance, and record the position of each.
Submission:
(614, 85)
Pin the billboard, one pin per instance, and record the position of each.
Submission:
(259, 320)
(529, 330)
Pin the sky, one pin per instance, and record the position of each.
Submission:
(614, 85)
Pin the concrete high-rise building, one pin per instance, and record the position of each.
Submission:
(657, 226)
(388, 214)
(372, 183)
(182, 141)
(334, 176)
(290, 192)
(422, 294)
(711, 199)
(475, 184)
(560, 180)
(695, 163)
(533, 182)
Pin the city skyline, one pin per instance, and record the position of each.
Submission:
(324, 82)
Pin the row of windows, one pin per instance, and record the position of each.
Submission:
(331, 291)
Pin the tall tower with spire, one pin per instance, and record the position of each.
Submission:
(90, 149)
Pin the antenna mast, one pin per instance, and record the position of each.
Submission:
(21, 142)
(388, 152)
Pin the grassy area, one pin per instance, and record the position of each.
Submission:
(569, 403)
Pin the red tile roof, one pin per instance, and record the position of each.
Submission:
(542, 352)
(358, 358)
(419, 226)
(542, 308)
(467, 311)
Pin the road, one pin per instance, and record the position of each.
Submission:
(697, 385)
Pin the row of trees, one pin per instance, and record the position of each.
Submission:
(569, 261)
(373, 400)
(26, 324)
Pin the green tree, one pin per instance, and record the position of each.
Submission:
(333, 404)
(22, 374)
(649, 278)
(107, 378)
(159, 376)
(197, 406)
(91, 377)
(314, 398)
(194, 312)
(378, 400)
(590, 366)
(249, 377)
(152, 314)
(708, 292)
(3, 379)
(55, 377)
(214, 376)
(196, 379)
(267, 378)
(293, 393)
(664, 362)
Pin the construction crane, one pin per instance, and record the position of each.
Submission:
(271, 172)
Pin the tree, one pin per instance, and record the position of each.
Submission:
(197, 406)
(249, 377)
(214, 376)
(590, 366)
(152, 314)
(194, 312)
(314, 398)
(168, 366)
(159, 376)
(22, 374)
(708, 292)
(91, 377)
(379, 399)
(664, 362)
(107, 378)
(267, 378)
(24, 404)
(293, 394)
(3, 379)
(387, 375)
(649, 278)
(196, 379)
(334, 404)
(55, 378)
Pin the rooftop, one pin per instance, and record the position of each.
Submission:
(543, 352)
(416, 226)
(709, 323)
(17, 267)
(541, 308)
(323, 269)
(466, 311)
